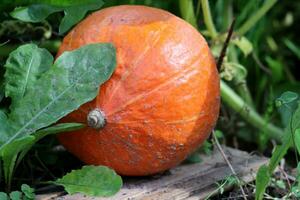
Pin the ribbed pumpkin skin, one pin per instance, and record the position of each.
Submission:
(163, 99)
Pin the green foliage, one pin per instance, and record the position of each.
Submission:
(15, 195)
(23, 67)
(74, 11)
(73, 80)
(264, 173)
(28, 191)
(91, 180)
(42, 94)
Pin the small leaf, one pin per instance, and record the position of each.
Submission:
(244, 45)
(287, 104)
(91, 180)
(74, 11)
(34, 13)
(23, 67)
(3, 196)
(15, 195)
(28, 191)
(262, 181)
(74, 79)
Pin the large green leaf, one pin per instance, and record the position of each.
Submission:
(74, 79)
(91, 180)
(40, 10)
(23, 67)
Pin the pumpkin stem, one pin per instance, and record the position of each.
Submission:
(96, 119)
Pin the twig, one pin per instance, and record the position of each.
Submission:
(225, 45)
(229, 164)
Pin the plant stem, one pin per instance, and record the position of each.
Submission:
(187, 11)
(256, 17)
(245, 94)
(236, 103)
(208, 19)
(51, 45)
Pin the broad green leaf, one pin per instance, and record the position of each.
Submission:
(243, 44)
(287, 98)
(262, 181)
(9, 154)
(28, 191)
(24, 66)
(15, 195)
(3, 196)
(74, 11)
(287, 104)
(91, 180)
(73, 80)
(34, 13)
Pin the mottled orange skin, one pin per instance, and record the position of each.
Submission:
(163, 99)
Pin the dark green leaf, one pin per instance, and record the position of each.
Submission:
(15, 195)
(63, 127)
(28, 191)
(23, 67)
(262, 181)
(91, 180)
(34, 13)
(9, 154)
(74, 79)
(74, 11)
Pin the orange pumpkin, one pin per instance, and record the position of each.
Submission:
(162, 101)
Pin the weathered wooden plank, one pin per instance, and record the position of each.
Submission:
(189, 181)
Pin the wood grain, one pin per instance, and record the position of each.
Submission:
(187, 181)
